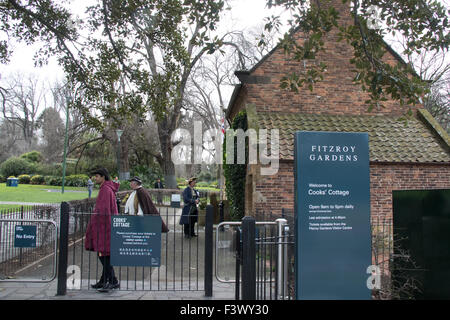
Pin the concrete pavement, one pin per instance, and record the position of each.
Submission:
(47, 291)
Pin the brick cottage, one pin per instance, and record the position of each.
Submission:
(402, 157)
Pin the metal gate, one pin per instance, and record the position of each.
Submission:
(255, 255)
(24, 244)
(185, 262)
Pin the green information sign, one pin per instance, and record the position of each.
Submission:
(332, 211)
(136, 240)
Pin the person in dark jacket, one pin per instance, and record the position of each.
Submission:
(189, 215)
(159, 185)
(98, 231)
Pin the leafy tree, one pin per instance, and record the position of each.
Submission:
(52, 128)
(422, 23)
(137, 57)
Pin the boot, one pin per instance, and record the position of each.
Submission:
(99, 284)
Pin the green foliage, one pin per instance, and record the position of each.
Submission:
(235, 173)
(2, 178)
(203, 203)
(24, 179)
(33, 157)
(37, 179)
(53, 180)
(205, 176)
(148, 175)
(15, 166)
(76, 180)
(125, 185)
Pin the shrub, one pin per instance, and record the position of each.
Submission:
(37, 179)
(124, 185)
(15, 166)
(201, 184)
(2, 178)
(202, 203)
(205, 176)
(24, 179)
(32, 156)
(53, 180)
(76, 180)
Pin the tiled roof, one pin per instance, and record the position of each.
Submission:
(390, 140)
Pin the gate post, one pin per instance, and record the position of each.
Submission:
(209, 251)
(248, 259)
(63, 249)
(282, 270)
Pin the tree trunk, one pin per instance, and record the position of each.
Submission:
(165, 131)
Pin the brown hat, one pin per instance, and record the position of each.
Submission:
(101, 171)
(137, 179)
(191, 179)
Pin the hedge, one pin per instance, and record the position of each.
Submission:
(37, 179)
(76, 180)
(24, 179)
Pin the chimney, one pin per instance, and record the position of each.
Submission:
(344, 9)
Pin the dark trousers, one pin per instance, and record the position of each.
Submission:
(189, 228)
(108, 271)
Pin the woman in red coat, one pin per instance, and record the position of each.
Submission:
(98, 233)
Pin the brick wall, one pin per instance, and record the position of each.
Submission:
(384, 178)
(272, 193)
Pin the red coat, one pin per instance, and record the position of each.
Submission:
(98, 232)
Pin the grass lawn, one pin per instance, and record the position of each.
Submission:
(40, 194)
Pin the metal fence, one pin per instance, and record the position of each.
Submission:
(182, 259)
(275, 249)
(163, 197)
(21, 263)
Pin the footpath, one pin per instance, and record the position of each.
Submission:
(47, 291)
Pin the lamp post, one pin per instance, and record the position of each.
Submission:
(119, 134)
(65, 144)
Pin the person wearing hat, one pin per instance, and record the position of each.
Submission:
(98, 231)
(132, 206)
(140, 202)
(189, 215)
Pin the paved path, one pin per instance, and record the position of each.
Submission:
(47, 291)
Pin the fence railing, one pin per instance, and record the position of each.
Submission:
(268, 242)
(163, 197)
(185, 265)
